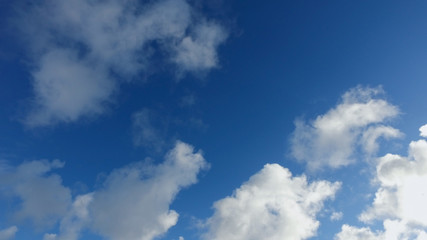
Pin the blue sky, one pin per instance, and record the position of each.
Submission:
(206, 120)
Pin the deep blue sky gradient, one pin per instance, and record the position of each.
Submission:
(283, 60)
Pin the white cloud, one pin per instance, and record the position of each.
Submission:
(43, 198)
(354, 233)
(423, 131)
(335, 216)
(401, 197)
(198, 51)
(271, 205)
(331, 139)
(8, 233)
(75, 220)
(68, 88)
(371, 135)
(81, 48)
(134, 203)
(393, 230)
(402, 192)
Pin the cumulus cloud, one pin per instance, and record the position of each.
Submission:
(423, 131)
(332, 138)
(134, 201)
(8, 233)
(43, 198)
(271, 205)
(393, 230)
(132, 204)
(402, 192)
(81, 49)
(354, 233)
(75, 220)
(400, 198)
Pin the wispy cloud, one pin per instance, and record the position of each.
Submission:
(271, 205)
(81, 49)
(8, 233)
(332, 138)
(43, 198)
(335, 216)
(149, 129)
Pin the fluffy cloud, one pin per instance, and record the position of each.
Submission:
(402, 191)
(198, 51)
(82, 48)
(8, 233)
(133, 203)
(400, 199)
(331, 139)
(271, 205)
(75, 220)
(393, 230)
(67, 88)
(423, 131)
(354, 233)
(43, 198)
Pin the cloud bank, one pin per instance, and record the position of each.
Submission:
(271, 205)
(82, 50)
(356, 122)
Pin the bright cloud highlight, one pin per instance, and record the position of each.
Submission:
(271, 205)
(400, 199)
